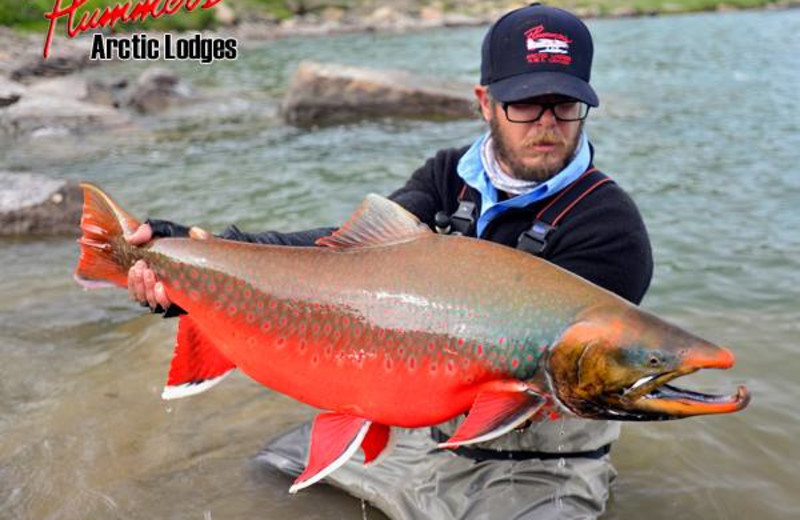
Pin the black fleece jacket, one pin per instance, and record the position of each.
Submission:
(602, 239)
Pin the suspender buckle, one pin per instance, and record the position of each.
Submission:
(534, 240)
(463, 220)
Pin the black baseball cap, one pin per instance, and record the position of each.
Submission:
(538, 50)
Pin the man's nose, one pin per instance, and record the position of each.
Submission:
(548, 117)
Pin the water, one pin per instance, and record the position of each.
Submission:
(700, 124)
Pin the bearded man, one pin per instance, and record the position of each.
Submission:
(528, 183)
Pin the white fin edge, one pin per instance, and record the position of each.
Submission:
(336, 464)
(92, 284)
(188, 389)
(494, 433)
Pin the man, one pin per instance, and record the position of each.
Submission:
(528, 183)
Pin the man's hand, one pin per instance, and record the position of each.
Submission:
(142, 284)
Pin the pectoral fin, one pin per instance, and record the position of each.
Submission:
(497, 409)
(197, 364)
(335, 437)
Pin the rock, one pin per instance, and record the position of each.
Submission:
(224, 14)
(332, 14)
(33, 113)
(70, 87)
(108, 93)
(33, 204)
(157, 89)
(333, 93)
(431, 13)
(66, 56)
(624, 11)
(10, 92)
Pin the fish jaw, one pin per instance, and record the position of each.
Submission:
(616, 364)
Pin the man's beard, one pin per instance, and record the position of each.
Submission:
(531, 173)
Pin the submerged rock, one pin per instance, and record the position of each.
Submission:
(156, 89)
(322, 93)
(32, 204)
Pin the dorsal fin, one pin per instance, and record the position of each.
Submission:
(377, 221)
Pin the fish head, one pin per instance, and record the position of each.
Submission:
(616, 363)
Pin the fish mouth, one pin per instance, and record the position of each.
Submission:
(652, 398)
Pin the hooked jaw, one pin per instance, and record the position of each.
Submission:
(651, 398)
(619, 368)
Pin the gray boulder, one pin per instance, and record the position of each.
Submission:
(157, 89)
(33, 204)
(333, 93)
(37, 112)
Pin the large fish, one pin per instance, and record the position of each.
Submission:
(390, 324)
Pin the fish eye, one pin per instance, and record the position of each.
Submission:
(654, 361)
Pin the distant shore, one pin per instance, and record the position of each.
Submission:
(277, 17)
(23, 28)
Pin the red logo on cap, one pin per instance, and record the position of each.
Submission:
(547, 47)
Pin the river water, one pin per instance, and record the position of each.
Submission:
(700, 123)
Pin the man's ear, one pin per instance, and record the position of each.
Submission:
(484, 101)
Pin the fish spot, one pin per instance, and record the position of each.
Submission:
(514, 363)
(450, 366)
(281, 342)
(265, 326)
(194, 295)
(460, 342)
(479, 349)
(204, 277)
(217, 305)
(176, 284)
(412, 363)
(389, 364)
(250, 317)
(345, 321)
(283, 321)
(273, 304)
(315, 328)
(401, 351)
(501, 341)
(302, 328)
(194, 274)
(328, 351)
(229, 287)
(247, 294)
(260, 305)
(431, 346)
(232, 310)
(529, 358)
(301, 346)
(327, 329)
(433, 368)
(315, 359)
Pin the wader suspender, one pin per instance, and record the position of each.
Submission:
(462, 222)
(534, 240)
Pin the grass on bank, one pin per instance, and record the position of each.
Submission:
(29, 14)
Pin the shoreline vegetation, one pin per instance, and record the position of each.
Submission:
(331, 16)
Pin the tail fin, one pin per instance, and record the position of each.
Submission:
(103, 224)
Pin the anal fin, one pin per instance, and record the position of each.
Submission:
(197, 364)
(497, 409)
(335, 437)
